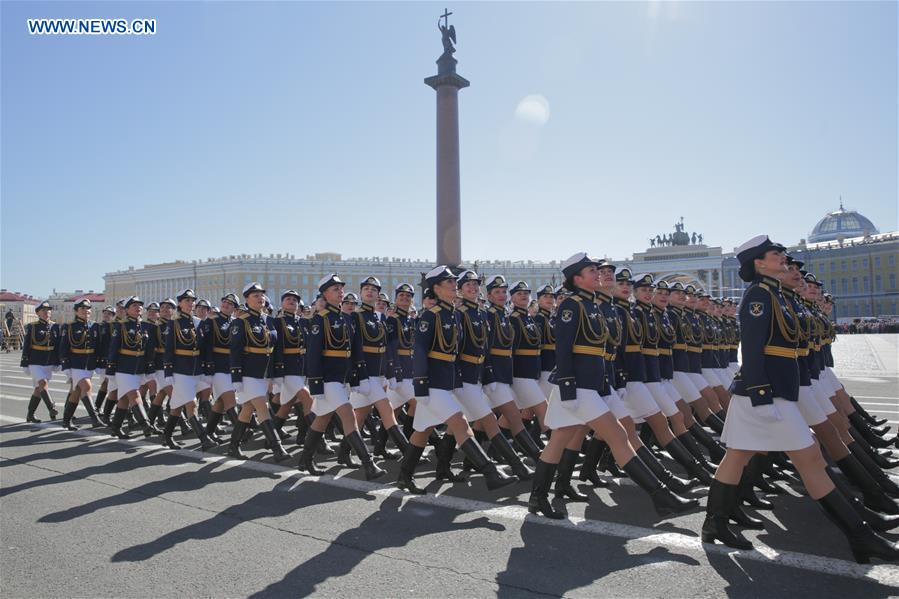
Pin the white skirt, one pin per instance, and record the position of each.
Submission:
(724, 376)
(184, 391)
(809, 408)
(125, 383)
(204, 381)
(590, 406)
(544, 383)
(684, 385)
(437, 409)
(617, 405)
(828, 375)
(163, 381)
(473, 401)
(639, 401)
(699, 381)
(402, 394)
(112, 383)
(290, 386)
(252, 388)
(40, 373)
(711, 377)
(500, 396)
(527, 393)
(375, 393)
(662, 399)
(823, 396)
(335, 395)
(221, 384)
(77, 375)
(744, 429)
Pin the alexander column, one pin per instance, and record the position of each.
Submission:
(447, 84)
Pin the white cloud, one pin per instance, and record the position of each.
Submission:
(533, 109)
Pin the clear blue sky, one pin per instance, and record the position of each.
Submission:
(303, 127)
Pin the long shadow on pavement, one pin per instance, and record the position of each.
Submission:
(183, 482)
(394, 525)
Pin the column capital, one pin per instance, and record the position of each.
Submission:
(452, 79)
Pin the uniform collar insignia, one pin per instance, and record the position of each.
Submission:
(332, 308)
(546, 313)
(402, 311)
(586, 294)
(518, 310)
(469, 304)
(602, 295)
(252, 312)
(622, 303)
(366, 307)
(445, 305)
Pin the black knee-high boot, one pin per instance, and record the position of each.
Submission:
(715, 423)
(205, 442)
(607, 462)
(527, 445)
(877, 521)
(881, 461)
(716, 452)
(563, 487)
(169, 430)
(147, 428)
(865, 414)
(91, 412)
(67, 412)
(494, 477)
(752, 473)
(683, 457)
(722, 500)
(274, 443)
(398, 438)
(51, 406)
(372, 470)
(277, 423)
(883, 481)
(862, 427)
(379, 442)
(406, 480)
(444, 451)
(675, 483)
(310, 445)
(32, 406)
(115, 424)
(664, 500)
(863, 541)
(212, 427)
(505, 449)
(101, 395)
(688, 441)
(108, 407)
(591, 461)
(538, 502)
(236, 438)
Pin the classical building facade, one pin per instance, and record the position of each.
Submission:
(860, 271)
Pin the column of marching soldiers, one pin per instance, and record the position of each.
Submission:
(524, 387)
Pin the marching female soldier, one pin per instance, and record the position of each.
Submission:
(183, 362)
(763, 414)
(333, 350)
(130, 347)
(434, 368)
(252, 342)
(104, 329)
(78, 347)
(470, 394)
(218, 363)
(581, 337)
(371, 328)
(289, 372)
(39, 358)
(400, 334)
(164, 383)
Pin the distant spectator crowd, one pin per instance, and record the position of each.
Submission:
(869, 325)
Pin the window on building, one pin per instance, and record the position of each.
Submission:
(878, 284)
(306, 280)
(876, 261)
(864, 263)
(855, 265)
(844, 286)
(833, 284)
(892, 260)
(843, 265)
(820, 267)
(833, 266)
(893, 308)
(865, 284)
(854, 284)
(892, 280)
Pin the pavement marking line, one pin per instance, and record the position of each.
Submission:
(883, 574)
(870, 397)
(31, 387)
